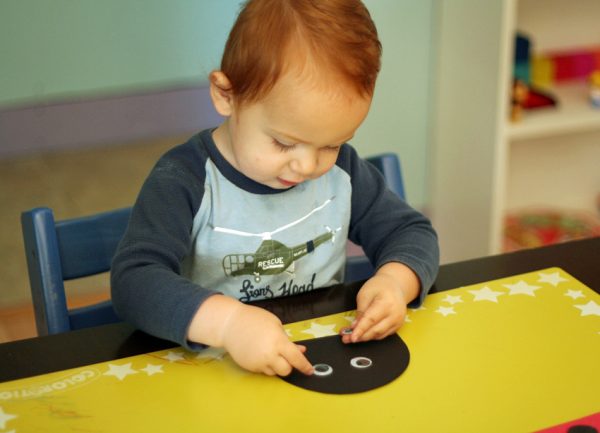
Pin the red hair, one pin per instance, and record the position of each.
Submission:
(339, 34)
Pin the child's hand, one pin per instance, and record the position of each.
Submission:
(381, 303)
(254, 338)
(256, 341)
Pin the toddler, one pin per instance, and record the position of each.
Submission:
(262, 205)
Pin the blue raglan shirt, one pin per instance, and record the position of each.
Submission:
(200, 227)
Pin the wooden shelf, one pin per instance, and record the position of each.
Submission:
(573, 114)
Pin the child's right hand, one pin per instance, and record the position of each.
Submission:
(256, 340)
(254, 337)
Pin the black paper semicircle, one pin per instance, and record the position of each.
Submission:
(390, 358)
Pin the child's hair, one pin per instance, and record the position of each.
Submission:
(339, 34)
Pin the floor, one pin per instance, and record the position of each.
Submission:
(72, 183)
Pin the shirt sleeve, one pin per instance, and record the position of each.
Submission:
(387, 228)
(147, 288)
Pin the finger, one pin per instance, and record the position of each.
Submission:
(296, 359)
(380, 330)
(301, 347)
(364, 299)
(389, 325)
(345, 334)
(281, 366)
(375, 314)
(268, 371)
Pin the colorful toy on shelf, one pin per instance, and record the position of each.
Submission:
(525, 94)
(522, 64)
(564, 66)
(520, 92)
(542, 71)
(594, 82)
(576, 64)
(538, 227)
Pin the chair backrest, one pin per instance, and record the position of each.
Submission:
(359, 267)
(58, 251)
(389, 165)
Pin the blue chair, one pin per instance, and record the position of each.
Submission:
(359, 267)
(65, 250)
(389, 165)
(58, 251)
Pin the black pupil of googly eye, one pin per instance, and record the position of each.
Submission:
(322, 369)
(361, 362)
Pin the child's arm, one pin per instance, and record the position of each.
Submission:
(400, 243)
(381, 302)
(254, 337)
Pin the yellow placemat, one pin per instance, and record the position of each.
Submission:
(512, 355)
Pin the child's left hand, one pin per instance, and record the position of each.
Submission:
(381, 303)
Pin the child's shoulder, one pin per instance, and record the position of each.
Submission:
(194, 151)
(349, 160)
(184, 160)
(347, 155)
(195, 147)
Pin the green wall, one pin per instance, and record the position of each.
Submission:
(53, 50)
(399, 118)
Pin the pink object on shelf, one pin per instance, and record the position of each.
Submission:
(583, 64)
(597, 59)
(563, 67)
(574, 65)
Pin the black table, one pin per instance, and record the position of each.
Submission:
(42, 355)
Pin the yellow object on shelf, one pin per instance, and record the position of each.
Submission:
(542, 72)
(595, 89)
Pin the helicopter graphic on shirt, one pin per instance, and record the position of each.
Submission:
(272, 257)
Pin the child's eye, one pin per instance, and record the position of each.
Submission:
(283, 147)
(332, 148)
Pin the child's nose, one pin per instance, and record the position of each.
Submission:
(305, 162)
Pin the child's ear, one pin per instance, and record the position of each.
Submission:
(221, 93)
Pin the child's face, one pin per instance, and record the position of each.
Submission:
(292, 135)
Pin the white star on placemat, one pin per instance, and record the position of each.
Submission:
(318, 330)
(452, 299)
(574, 294)
(521, 288)
(589, 309)
(445, 311)
(349, 317)
(554, 278)
(486, 294)
(120, 371)
(173, 356)
(152, 369)
(4, 417)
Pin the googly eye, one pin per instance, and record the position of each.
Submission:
(322, 369)
(361, 362)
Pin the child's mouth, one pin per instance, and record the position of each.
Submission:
(287, 182)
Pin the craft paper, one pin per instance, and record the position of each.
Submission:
(350, 368)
